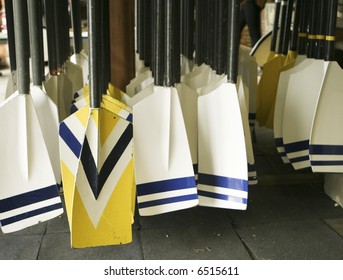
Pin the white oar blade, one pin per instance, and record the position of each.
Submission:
(301, 101)
(223, 174)
(75, 75)
(280, 106)
(163, 165)
(242, 93)
(189, 105)
(11, 86)
(81, 60)
(326, 142)
(47, 114)
(139, 83)
(60, 89)
(29, 193)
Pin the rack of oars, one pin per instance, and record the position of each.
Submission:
(179, 137)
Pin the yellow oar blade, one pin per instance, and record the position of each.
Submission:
(266, 91)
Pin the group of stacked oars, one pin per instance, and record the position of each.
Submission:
(177, 138)
(201, 105)
(299, 92)
(32, 107)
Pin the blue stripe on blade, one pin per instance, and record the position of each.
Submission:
(223, 197)
(168, 200)
(165, 186)
(224, 182)
(70, 139)
(28, 198)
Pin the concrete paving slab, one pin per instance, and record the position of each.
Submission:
(56, 246)
(285, 203)
(336, 224)
(185, 218)
(20, 247)
(296, 240)
(206, 242)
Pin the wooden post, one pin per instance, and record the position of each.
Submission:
(122, 21)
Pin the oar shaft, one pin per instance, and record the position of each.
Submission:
(21, 45)
(76, 24)
(275, 25)
(158, 47)
(36, 42)
(94, 25)
(331, 30)
(51, 38)
(172, 43)
(10, 33)
(233, 41)
(295, 31)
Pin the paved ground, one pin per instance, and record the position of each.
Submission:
(288, 217)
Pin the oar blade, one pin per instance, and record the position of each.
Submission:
(29, 193)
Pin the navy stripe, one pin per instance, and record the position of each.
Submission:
(115, 154)
(28, 198)
(224, 182)
(297, 146)
(299, 159)
(90, 168)
(30, 214)
(130, 118)
(73, 109)
(327, 162)
(223, 197)
(97, 180)
(76, 95)
(279, 142)
(169, 200)
(70, 139)
(326, 149)
(251, 168)
(165, 186)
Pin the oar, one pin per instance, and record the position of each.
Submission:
(79, 56)
(187, 36)
(267, 86)
(326, 135)
(11, 86)
(47, 111)
(301, 12)
(223, 174)
(283, 53)
(57, 85)
(73, 71)
(163, 166)
(275, 31)
(98, 193)
(301, 100)
(28, 193)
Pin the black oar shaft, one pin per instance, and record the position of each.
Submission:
(22, 40)
(105, 45)
(76, 24)
(295, 31)
(286, 34)
(51, 38)
(233, 41)
(331, 30)
(172, 43)
(36, 41)
(10, 33)
(303, 24)
(158, 41)
(94, 25)
(275, 25)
